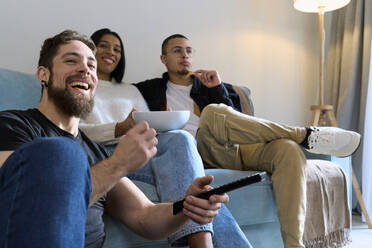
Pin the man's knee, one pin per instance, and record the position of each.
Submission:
(42, 181)
(55, 157)
(50, 168)
(289, 152)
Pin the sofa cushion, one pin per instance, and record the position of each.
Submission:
(249, 205)
(18, 90)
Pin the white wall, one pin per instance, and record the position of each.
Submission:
(264, 44)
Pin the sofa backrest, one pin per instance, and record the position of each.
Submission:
(18, 90)
(245, 99)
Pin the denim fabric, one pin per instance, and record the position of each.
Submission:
(44, 191)
(174, 167)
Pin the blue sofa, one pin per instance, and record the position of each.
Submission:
(253, 207)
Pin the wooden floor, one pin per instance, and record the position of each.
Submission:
(360, 234)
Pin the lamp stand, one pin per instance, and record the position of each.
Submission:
(322, 112)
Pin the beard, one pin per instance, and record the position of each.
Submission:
(74, 105)
(183, 72)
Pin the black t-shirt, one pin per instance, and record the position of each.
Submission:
(20, 127)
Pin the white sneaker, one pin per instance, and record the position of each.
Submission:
(333, 141)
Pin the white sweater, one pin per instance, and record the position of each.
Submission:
(112, 103)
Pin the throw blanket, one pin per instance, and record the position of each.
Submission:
(327, 222)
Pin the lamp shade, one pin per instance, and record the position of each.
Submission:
(312, 6)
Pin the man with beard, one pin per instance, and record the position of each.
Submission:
(228, 139)
(54, 180)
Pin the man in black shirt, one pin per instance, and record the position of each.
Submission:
(54, 180)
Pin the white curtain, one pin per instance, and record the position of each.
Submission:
(367, 149)
(348, 83)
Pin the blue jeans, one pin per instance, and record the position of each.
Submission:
(44, 191)
(174, 167)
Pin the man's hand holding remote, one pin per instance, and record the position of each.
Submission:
(212, 194)
(202, 210)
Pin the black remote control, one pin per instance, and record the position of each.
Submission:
(178, 205)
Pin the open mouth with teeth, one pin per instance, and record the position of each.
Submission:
(80, 85)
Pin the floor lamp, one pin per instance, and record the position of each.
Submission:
(321, 111)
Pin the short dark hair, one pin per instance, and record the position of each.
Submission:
(119, 71)
(164, 45)
(51, 45)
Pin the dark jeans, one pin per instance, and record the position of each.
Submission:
(44, 195)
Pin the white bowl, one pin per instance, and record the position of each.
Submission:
(163, 121)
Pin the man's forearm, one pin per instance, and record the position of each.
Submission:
(104, 176)
(159, 221)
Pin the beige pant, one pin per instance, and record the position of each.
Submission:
(232, 140)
